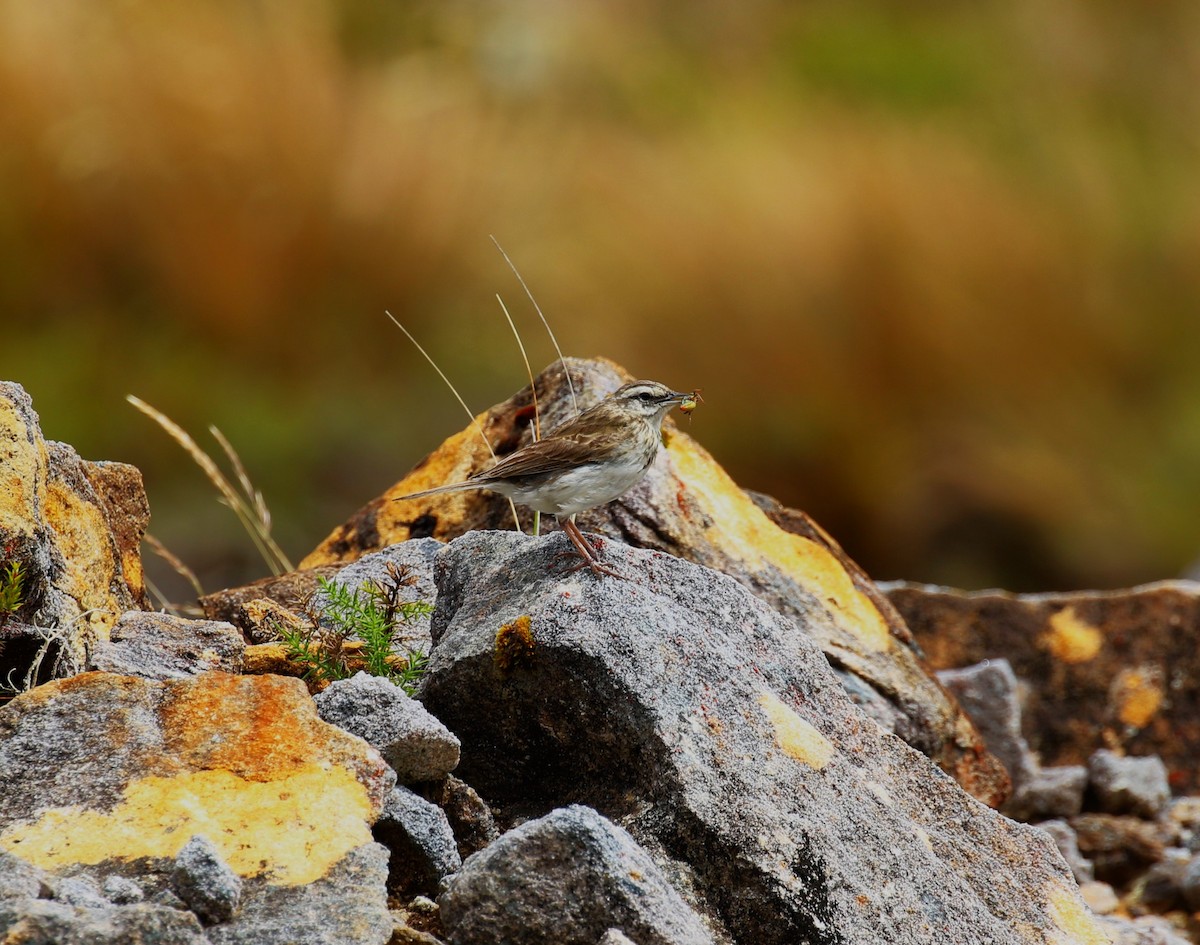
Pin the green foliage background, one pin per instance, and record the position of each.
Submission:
(933, 264)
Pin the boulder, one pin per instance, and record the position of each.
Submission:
(285, 800)
(1128, 785)
(420, 840)
(566, 879)
(689, 507)
(712, 728)
(1104, 669)
(75, 528)
(163, 646)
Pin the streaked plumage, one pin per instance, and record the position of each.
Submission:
(585, 463)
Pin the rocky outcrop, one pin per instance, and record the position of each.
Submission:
(75, 528)
(689, 507)
(713, 730)
(1116, 669)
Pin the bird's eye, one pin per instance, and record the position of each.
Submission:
(645, 397)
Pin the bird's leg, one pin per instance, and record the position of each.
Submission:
(585, 549)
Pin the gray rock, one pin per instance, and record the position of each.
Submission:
(43, 922)
(988, 693)
(422, 844)
(1146, 930)
(417, 555)
(1068, 845)
(121, 890)
(1160, 888)
(715, 725)
(566, 879)
(1122, 785)
(163, 646)
(346, 906)
(1049, 792)
(1190, 884)
(470, 818)
(80, 891)
(205, 882)
(19, 879)
(416, 745)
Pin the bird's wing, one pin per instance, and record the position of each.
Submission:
(572, 446)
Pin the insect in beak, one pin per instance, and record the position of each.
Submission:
(691, 401)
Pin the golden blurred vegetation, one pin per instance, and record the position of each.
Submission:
(935, 265)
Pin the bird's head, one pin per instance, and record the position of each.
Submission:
(647, 399)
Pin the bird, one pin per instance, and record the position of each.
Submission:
(585, 463)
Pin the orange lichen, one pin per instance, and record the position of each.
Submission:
(514, 645)
(1137, 695)
(1071, 639)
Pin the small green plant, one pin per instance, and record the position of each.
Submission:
(12, 591)
(373, 615)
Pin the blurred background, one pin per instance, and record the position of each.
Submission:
(936, 265)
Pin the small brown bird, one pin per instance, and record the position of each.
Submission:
(586, 462)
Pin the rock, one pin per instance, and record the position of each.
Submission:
(469, 816)
(1100, 897)
(203, 880)
(262, 620)
(416, 745)
(1113, 669)
(1183, 814)
(1160, 888)
(714, 727)
(421, 841)
(75, 527)
(163, 646)
(1146, 930)
(291, 591)
(21, 880)
(80, 891)
(987, 692)
(41, 922)
(1049, 793)
(615, 937)
(346, 906)
(121, 891)
(1068, 845)
(287, 800)
(1189, 884)
(687, 506)
(565, 879)
(1128, 785)
(1120, 848)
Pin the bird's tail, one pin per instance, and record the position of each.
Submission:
(452, 487)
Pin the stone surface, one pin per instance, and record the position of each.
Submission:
(1115, 669)
(988, 693)
(22, 880)
(421, 841)
(1128, 785)
(712, 726)
(1068, 846)
(689, 507)
(1101, 898)
(1049, 792)
(1145, 930)
(80, 891)
(163, 646)
(565, 879)
(205, 882)
(1120, 848)
(1160, 888)
(75, 527)
(1190, 884)
(42, 922)
(416, 745)
(469, 816)
(109, 774)
(292, 591)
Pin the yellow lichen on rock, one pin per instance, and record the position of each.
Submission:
(23, 459)
(1072, 639)
(1137, 695)
(290, 830)
(795, 736)
(1073, 919)
(742, 530)
(85, 541)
